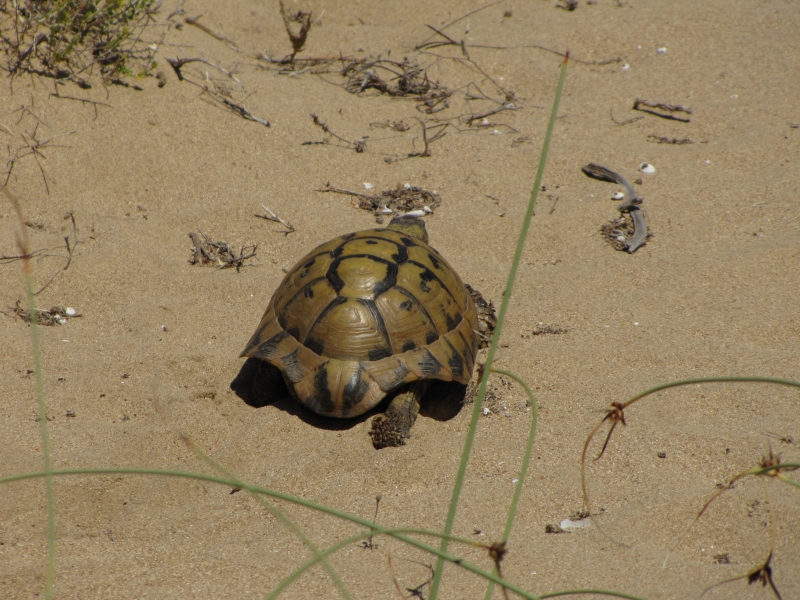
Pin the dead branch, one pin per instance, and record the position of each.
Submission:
(221, 254)
(660, 106)
(70, 252)
(359, 145)
(271, 216)
(195, 21)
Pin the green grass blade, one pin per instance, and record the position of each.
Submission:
(50, 575)
(523, 470)
(294, 575)
(374, 528)
(476, 413)
(22, 243)
(278, 514)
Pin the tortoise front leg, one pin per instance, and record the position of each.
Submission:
(392, 427)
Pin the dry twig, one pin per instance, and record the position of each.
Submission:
(359, 145)
(220, 254)
(271, 216)
(402, 199)
(660, 106)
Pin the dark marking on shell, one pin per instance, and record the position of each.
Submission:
(336, 252)
(315, 345)
(406, 305)
(401, 256)
(336, 281)
(322, 393)
(354, 391)
(456, 361)
(331, 305)
(371, 242)
(436, 264)
(409, 345)
(408, 242)
(414, 302)
(349, 236)
(387, 282)
(452, 321)
(268, 350)
(294, 332)
(429, 365)
(379, 353)
(291, 366)
(469, 354)
(376, 314)
(306, 267)
(431, 337)
(308, 292)
(425, 277)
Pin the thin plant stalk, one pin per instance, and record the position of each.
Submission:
(22, 243)
(523, 470)
(278, 514)
(476, 413)
(374, 528)
(664, 386)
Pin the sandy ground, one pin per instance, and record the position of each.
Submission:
(716, 291)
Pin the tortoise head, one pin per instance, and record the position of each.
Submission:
(410, 226)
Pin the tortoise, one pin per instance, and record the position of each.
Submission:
(367, 315)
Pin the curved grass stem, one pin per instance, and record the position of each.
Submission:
(476, 412)
(618, 409)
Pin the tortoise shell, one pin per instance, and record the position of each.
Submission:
(364, 314)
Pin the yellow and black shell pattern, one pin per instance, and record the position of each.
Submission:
(364, 314)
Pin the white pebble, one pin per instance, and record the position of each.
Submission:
(514, 480)
(415, 213)
(486, 412)
(369, 186)
(61, 321)
(385, 211)
(617, 196)
(570, 524)
(406, 186)
(647, 168)
(620, 238)
(427, 210)
(661, 50)
(625, 67)
(71, 312)
(495, 132)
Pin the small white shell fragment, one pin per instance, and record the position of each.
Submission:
(515, 481)
(427, 210)
(415, 213)
(495, 132)
(368, 186)
(71, 312)
(570, 524)
(406, 186)
(61, 321)
(620, 238)
(625, 67)
(708, 162)
(484, 122)
(486, 411)
(617, 196)
(385, 211)
(647, 168)
(661, 50)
